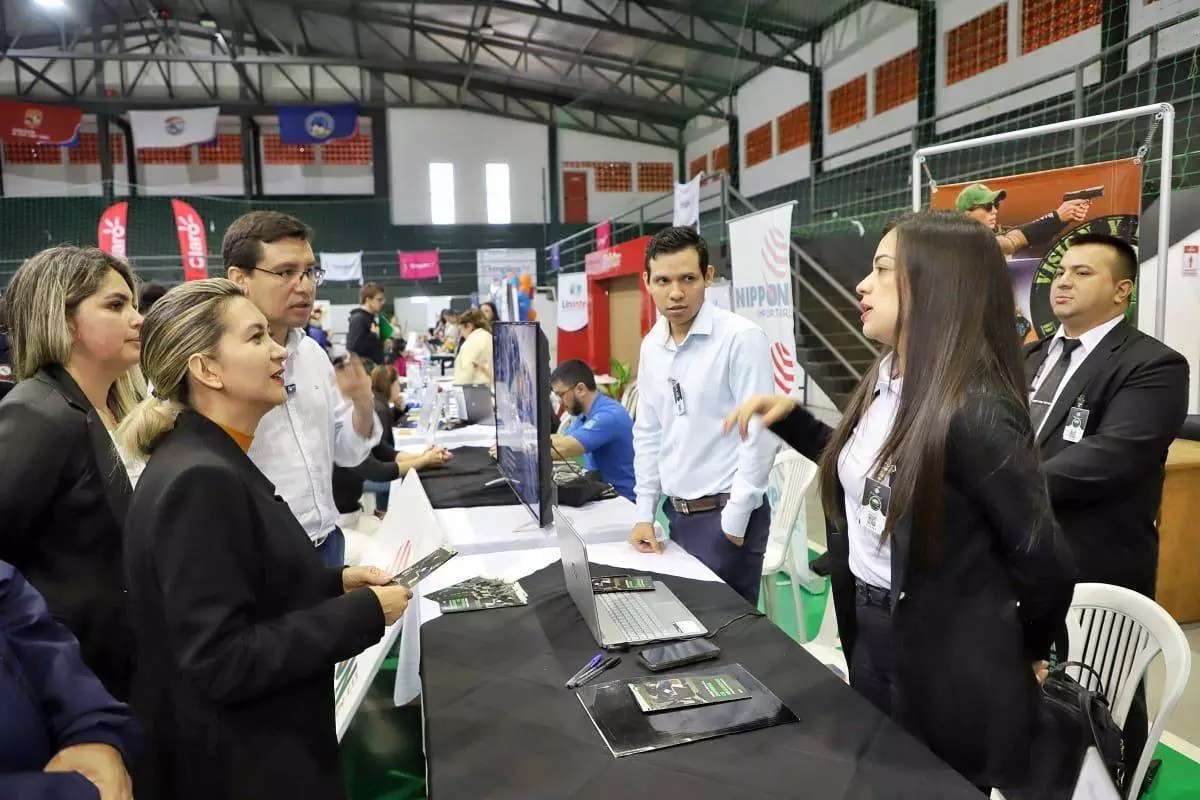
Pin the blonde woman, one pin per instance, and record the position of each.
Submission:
(473, 364)
(74, 328)
(239, 623)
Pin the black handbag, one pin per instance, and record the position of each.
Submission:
(583, 489)
(1073, 719)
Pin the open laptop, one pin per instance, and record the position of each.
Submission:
(477, 404)
(618, 619)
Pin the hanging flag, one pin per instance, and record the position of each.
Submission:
(687, 204)
(420, 266)
(316, 124)
(342, 266)
(176, 127)
(604, 235)
(110, 234)
(555, 258)
(27, 122)
(193, 241)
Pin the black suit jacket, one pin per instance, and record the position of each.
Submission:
(240, 626)
(1106, 488)
(964, 647)
(63, 497)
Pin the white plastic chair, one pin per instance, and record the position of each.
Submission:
(792, 490)
(1118, 632)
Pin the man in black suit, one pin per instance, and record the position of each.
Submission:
(1106, 401)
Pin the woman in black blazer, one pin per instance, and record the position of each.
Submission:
(63, 488)
(239, 623)
(949, 577)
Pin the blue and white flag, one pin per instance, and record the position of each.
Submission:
(316, 124)
(176, 127)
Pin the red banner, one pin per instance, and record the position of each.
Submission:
(27, 122)
(193, 241)
(420, 266)
(110, 233)
(604, 235)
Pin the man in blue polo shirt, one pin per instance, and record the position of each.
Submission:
(602, 431)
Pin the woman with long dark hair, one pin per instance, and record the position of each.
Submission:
(949, 576)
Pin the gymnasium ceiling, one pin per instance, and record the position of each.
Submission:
(635, 67)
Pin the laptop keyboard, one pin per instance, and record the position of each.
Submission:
(633, 616)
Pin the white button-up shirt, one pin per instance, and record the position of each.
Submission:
(724, 361)
(1087, 343)
(870, 559)
(297, 444)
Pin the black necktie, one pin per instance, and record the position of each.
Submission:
(1039, 406)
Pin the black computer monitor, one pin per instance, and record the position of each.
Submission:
(521, 362)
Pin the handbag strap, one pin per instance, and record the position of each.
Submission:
(1061, 670)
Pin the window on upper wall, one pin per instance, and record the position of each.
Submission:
(977, 45)
(499, 199)
(794, 128)
(655, 176)
(896, 82)
(441, 193)
(614, 176)
(164, 155)
(720, 158)
(30, 153)
(1045, 22)
(225, 149)
(760, 145)
(88, 149)
(848, 104)
(355, 150)
(698, 166)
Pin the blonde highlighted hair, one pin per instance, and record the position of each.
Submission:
(187, 320)
(44, 295)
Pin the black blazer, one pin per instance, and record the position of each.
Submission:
(240, 626)
(1106, 488)
(63, 497)
(964, 648)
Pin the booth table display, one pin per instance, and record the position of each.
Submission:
(1178, 591)
(499, 724)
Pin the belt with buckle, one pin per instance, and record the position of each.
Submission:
(872, 595)
(714, 502)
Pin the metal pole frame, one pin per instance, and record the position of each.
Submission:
(1166, 114)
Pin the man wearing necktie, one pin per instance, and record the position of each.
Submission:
(1106, 402)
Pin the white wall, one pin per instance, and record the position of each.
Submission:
(1170, 40)
(1017, 71)
(1181, 329)
(579, 146)
(763, 100)
(418, 137)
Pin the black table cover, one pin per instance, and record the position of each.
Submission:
(460, 482)
(499, 723)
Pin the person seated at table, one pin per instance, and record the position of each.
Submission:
(62, 736)
(473, 364)
(240, 623)
(950, 577)
(385, 464)
(601, 431)
(73, 318)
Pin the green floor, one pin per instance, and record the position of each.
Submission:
(382, 757)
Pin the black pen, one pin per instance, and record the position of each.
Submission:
(607, 664)
(586, 668)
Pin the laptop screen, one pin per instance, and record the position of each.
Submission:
(576, 572)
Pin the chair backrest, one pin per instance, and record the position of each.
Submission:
(1118, 632)
(788, 486)
(630, 397)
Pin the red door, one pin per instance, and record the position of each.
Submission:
(575, 197)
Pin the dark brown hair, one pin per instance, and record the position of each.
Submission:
(956, 320)
(382, 378)
(368, 291)
(475, 317)
(242, 245)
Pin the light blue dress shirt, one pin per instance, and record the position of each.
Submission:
(724, 361)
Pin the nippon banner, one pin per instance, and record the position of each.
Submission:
(572, 302)
(193, 241)
(420, 265)
(1036, 215)
(28, 122)
(760, 255)
(111, 231)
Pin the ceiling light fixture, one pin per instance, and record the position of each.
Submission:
(55, 5)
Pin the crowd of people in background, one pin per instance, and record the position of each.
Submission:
(176, 464)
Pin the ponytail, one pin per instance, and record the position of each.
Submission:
(144, 427)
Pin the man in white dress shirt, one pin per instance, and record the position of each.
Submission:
(699, 363)
(329, 417)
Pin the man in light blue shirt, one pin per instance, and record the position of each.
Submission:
(601, 430)
(699, 363)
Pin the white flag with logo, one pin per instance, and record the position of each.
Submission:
(342, 266)
(761, 259)
(687, 203)
(176, 127)
(572, 302)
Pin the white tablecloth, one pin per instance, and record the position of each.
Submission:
(493, 529)
(512, 566)
(469, 436)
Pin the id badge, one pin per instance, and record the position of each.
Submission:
(677, 396)
(1076, 423)
(873, 513)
